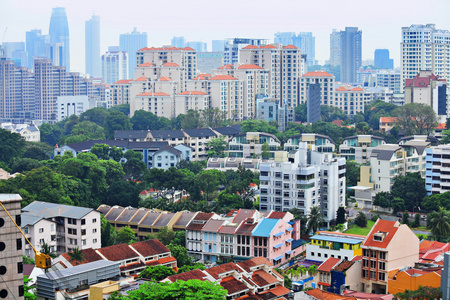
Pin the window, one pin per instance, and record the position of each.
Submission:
(365, 263)
(25, 230)
(372, 275)
(312, 253)
(19, 244)
(83, 242)
(382, 276)
(72, 231)
(382, 265)
(41, 241)
(83, 222)
(41, 230)
(364, 274)
(21, 291)
(94, 241)
(94, 220)
(373, 254)
(382, 255)
(373, 264)
(83, 231)
(94, 230)
(52, 227)
(19, 267)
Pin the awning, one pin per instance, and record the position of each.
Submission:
(289, 252)
(290, 229)
(289, 240)
(278, 257)
(278, 245)
(325, 284)
(278, 234)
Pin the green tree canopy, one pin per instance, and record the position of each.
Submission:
(411, 188)
(12, 145)
(96, 115)
(126, 235)
(361, 219)
(217, 147)
(416, 118)
(116, 120)
(181, 255)
(315, 220)
(156, 273)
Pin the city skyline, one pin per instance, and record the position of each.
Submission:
(381, 27)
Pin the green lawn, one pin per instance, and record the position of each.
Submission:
(355, 229)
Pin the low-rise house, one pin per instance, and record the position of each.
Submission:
(63, 227)
(197, 139)
(384, 251)
(30, 133)
(169, 156)
(316, 142)
(387, 123)
(4, 175)
(250, 144)
(327, 244)
(233, 163)
(320, 294)
(432, 252)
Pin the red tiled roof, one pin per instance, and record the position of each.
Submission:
(232, 212)
(268, 47)
(164, 78)
(388, 119)
(226, 67)
(344, 266)
(390, 227)
(250, 47)
(290, 47)
(123, 81)
(256, 261)
(279, 291)
(146, 64)
(233, 286)
(262, 278)
(154, 95)
(188, 49)
(144, 192)
(341, 89)
(220, 269)
(329, 264)
(132, 266)
(223, 77)
(194, 274)
(118, 252)
(249, 66)
(89, 255)
(150, 247)
(357, 89)
(193, 93)
(319, 294)
(317, 74)
(142, 78)
(202, 77)
(277, 215)
(162, 261)
(201, 216)
(338, 122)
(170, 64)
(250, 296)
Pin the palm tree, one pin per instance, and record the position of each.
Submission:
(76, 255)
(293, 272)
(440, 224)
(47, 249)
(315, 219)
(302, 269)
(312, 270)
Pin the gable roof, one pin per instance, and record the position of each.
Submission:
(329, 264)
(253, 262)
(170, 64)
(243, 214)
(164, 134)
(224, 268)
(118, 252)
(89, 255)
(384, 226)
(123, 81)
(290, 47)
(191, 275)
(50, 210)
(165, 78)
(130, 134)
(249, 66)
(265, 227)
(142, 78)
(233, 286)
(150, 247)
(200, 132)
(146, 64)
(227, 67)
(169, 149)
(223, 77)
(317, 74)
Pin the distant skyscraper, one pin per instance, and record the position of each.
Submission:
(197, 46)
(132, 42)
(16, 51)
(114, 65)
(424, 48)
(218, 45)
(313, 102)
(38, 46)
(92, 50)
(59, 34)
(382, 60)
(232, 47)
(307, 44)
(179, 41)
(351, 40)
(335, 48)
(284, 38)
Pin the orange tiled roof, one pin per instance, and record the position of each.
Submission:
(188, 49)
(390, 227)
(232, 285)
(250, 47)
(262, 278)
(388, 119)
(202, 77)
(215, 271)
(118, 252)
(193, 93)
(317, 74)
(142, 78)
(290, 47)
(194, 274)
(226, 67)
(164, 78)
(342, 89)
(223, 77)
(246, 265)
(268, 47)
(123, 81)
(357, 89)
(146, 64)
(154, 95)
(170, 64)
(441, 126)
(319, 294)
(279, 291)
(89, 255)
(249, 66)
(329, 264)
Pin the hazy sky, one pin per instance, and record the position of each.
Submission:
(380, 20)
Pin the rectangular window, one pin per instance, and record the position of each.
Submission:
(19, 244)
(94, 220)
(94, 241)
(83, 222)
(21, 291)
(41, 230)
(372, 275)
(382, 255)
(94, 230)
(382, 265)
(19, 267)
(382, 276)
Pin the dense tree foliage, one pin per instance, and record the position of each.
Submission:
(156, 273)
(422, 293)
(439, 223)
(361, 219)
(12, 145)
(181, 255)
(126, 235)
(410, 188)
(416, 118)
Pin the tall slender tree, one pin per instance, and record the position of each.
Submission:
(315, 219)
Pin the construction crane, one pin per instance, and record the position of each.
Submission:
(4, 34)
(42, 260)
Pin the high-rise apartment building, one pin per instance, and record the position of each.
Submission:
(197, 46)
(284, 62)
(11, 265)
(131, 43)
(326, 82)
(382, 60)
(114, 65)
(436, 181)
(37, 45)
(390, 79)
(59, 34)
(178, 41)
(284, 38)
(313, 102)
(351, 42)
(6, 88)
(16, 52)
(305, 41)
(92, 47)
(232, 47)
(424, 47)
(335, 48)
(218, 45)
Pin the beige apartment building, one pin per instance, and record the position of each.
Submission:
(160, 104)
(187, 100)
(351, 99)
(389, 246)
(326, 82)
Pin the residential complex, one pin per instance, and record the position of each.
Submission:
(359, 147)
(270, 110)
(254, 144)
(62, 227)
(312, 179)
(29, 132)
(325, 245)
(232, 46)
(351, 44)
(315, 142)
(351, 99)
(424, 47)
(437, 176)
(326, 83)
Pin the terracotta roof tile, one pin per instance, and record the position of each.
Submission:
(194, 274)
(118, 252)
(357, 89)
(268, 47)
(226, 67)
(89, 255)
(150, 247)
(256, 261)
(262, 278)
(279, 291)
(388, 119)
(154, 95)
(389, 227)
(341, 89)
(233, 286)
(164, 78)
(250, 47)
(319, 294)
(123, 81)
(202, 77)
(193, 93)
(146, 64)
(223, 77)
(220, 269)
(277, 215)
(317, 74)
(142, 78)
(170, 64)
(249, 66)
(290, 47)
(188, 49)
(344, 266)
(132, 266)
(329, 264)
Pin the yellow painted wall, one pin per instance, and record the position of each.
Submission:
(365, 173)
(96, 291)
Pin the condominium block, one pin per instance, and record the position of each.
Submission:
(316, 142)
(326, 83)
(437, 174)
(251, 144)
(423, 47)
(114, 65)
(351, 99)
(232, 46)
(359, 147)
(390, 79)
